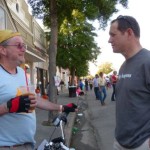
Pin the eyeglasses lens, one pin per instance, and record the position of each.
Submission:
(21, 46)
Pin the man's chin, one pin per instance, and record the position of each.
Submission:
(115, 51)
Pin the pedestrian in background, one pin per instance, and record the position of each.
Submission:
(62, 84)
(108, 84)
(96, 87)
(86, 84)
(91, 83)
(133, 86)
(79, 92)
(114, 78)
(102, 86)
(81, 84)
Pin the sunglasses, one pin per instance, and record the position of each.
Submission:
(19, 46)
(124, 18)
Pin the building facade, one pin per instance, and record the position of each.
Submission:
(14, 15)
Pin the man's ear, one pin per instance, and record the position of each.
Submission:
(2, 50)
(130, 31)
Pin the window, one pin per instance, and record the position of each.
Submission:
(2, 19)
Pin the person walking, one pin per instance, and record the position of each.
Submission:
(62, 84)
(96, 88)
(81, 84)
(133, 86)
(17, 113)
(86, 85)
(91, 83)
(108, 84)
(102, 85)
(114, 81)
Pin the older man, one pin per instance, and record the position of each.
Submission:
(17, 120)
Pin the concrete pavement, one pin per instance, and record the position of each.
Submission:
(44, 132)
(98, 123)
(96, 128)
(103, 120)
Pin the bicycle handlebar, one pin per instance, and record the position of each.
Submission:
(59, 142)
(60, 117)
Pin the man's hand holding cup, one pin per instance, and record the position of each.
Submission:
(25, 102)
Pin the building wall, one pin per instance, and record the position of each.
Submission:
(14, 15)
(5, 17)
(17, 18)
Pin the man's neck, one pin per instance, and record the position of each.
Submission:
(132, 50)
(9, 68)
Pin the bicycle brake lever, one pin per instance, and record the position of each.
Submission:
(56, 120)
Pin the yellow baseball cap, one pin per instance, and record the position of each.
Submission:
(7, 34)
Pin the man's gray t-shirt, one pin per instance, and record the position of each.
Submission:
(133, 101)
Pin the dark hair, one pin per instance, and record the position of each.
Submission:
(125, 22)
(101, 73)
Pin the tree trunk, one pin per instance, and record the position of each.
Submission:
(72, 76)
(52, 54)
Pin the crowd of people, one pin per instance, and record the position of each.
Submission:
(101, 83)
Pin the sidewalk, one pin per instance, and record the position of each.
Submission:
(103, 120)
(96, 128)
(44, 132)
(97, 123)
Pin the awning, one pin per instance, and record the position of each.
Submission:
(32, 57)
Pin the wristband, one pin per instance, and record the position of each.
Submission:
(61, 108)
(5, 108)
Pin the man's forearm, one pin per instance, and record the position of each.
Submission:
(47, 105)
(3, 109)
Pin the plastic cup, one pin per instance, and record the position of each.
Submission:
(26, 91)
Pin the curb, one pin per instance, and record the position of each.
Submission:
(68, 128)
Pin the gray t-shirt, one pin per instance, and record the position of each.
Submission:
(133, 101)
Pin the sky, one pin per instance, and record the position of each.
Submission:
(139, 9)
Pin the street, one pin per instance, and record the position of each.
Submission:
(95, 129)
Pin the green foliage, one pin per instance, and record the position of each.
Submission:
(105, 68)
(76, 45)
(83, 70)
(92, 9)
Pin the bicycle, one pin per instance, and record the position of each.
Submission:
(57, 143)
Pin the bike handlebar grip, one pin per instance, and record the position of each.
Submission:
(56, 121)
(69, 108)
(60, 117)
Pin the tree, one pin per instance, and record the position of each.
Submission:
(105, 68)
(54, 12)
(45, 7)
(76, 45)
